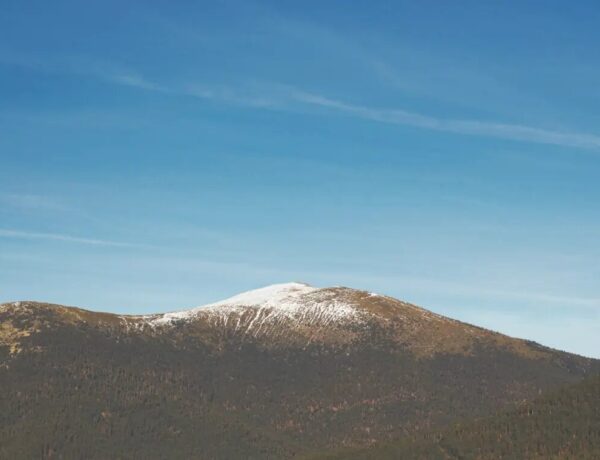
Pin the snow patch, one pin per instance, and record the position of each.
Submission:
(256, 310)
(273, 296)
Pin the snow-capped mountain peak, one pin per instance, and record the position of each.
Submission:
(273, 295)
(297, 302)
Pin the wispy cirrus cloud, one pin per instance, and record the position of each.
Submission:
(421, 286)
(228, 95)
(81, 67)
(131, 79)
(285, 97)
(33, 202)
(458, 126)
(19, 234)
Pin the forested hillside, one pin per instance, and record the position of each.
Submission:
(564, 424)
(280, 373)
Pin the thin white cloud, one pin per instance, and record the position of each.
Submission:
(81, 66)
(133, 80)
(467, 127)
(284, 97)
(31, 202)
(7, 233)
(228, 95)
(418, 288)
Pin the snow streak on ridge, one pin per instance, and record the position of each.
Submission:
(295, 302)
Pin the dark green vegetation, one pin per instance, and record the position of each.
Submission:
(77, 384)
(563, 424)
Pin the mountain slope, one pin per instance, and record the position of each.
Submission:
(276, 372)
(564, 424)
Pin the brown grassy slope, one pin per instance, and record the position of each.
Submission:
(79, 383)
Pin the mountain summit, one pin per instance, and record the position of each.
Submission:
(277, 372)
(273, 304)
(299, 313)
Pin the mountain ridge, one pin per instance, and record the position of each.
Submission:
(328, 313)
(218, 385)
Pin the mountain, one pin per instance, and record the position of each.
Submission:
(564, 424)
(278, 372)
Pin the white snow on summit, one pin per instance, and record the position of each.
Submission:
(274, 296)
(266, 306)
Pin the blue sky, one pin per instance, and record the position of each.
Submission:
(161, 155)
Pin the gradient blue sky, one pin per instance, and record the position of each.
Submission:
(161, 155)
